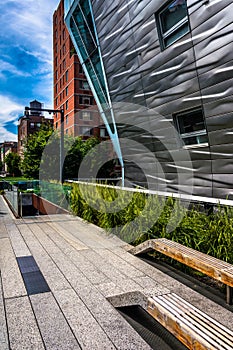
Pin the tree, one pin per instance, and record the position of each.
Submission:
(76, 154)
(34, 147)
(12, 161)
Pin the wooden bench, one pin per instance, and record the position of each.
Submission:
(192, 327)
(215, 268)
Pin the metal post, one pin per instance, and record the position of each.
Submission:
(229, 295)
(62, 146)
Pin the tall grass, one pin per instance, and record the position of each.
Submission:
(141, 216)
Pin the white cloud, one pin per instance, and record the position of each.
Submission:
(8, 67)
(9, 112)
(28, 26)
(6, 135)
(32, 21)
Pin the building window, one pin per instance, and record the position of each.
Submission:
(67, 91)
(85, 130)
(64, 64)
(103, 132)
(172, 22)
(81, 69)
(67, 104)
(191, 127)
(64, 49)
(85, 100)
(83, 84)
(63, 34)
(66, 74)
(86, 115)
(66, 119)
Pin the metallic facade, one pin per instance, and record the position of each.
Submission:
(146, 85)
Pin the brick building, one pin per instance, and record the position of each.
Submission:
(30, 124)
(6, 147)
(71, 90)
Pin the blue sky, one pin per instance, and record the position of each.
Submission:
(25, 59)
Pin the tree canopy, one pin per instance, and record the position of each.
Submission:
(12, 161)
(34, 147)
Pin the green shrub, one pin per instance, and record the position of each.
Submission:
(211, 234)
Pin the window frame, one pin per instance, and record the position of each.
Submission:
(191, 134)
(164, 35)
(85, 118)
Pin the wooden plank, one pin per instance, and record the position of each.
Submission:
(197, 264)
(180, 330)
(193, 328)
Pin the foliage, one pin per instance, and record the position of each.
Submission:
(212, 234)
(34, 147)
(76, 153)
(12, 161)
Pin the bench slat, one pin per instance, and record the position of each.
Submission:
(193, 328)
(214, 329)
(209, 265)
(195, 322)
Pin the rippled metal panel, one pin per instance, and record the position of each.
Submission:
(196, 71)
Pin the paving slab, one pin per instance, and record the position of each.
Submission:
(49, 269)
(54, 328)
(23, 329)
(12, 281)
(19, 246)
(83, 324)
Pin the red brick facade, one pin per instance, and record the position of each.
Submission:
(71, 90)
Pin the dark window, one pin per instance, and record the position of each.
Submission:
(80, 69)
(85, 100)
(66, 104)
(191, 127)
(63, 34)
(67, 91)
(85, 130)
(84, 85)
(172, 22)
(66, 75)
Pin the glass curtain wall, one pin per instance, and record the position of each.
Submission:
(80, 23)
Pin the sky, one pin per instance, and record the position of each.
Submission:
(26, 67)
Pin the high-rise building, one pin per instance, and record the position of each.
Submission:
(71, 89)
(161, 73)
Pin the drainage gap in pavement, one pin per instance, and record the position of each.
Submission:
(34, 281)
(149, 329)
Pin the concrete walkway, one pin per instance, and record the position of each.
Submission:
(87, 273)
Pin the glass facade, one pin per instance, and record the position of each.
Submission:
(81, 26)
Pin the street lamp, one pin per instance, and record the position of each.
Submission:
(54, 111)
